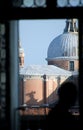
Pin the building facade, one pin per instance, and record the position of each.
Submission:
(39, 83)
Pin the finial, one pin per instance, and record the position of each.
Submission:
(71, 25)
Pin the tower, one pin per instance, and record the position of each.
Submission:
(21, 56)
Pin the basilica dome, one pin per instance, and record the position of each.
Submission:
(66, 44)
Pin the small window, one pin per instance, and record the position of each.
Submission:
(71, 65)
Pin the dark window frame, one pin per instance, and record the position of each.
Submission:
(71, 65)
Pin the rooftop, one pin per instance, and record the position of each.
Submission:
(44, 69)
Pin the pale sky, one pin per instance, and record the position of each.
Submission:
(35, 37)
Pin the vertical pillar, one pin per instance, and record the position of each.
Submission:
(44, 88)
(14, 74)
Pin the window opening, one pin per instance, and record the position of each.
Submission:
(71, 65)
(43, 58)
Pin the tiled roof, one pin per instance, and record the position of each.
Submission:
(44, 69)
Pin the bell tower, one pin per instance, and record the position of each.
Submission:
(21, 56)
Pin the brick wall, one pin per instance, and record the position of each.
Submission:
(64, 64)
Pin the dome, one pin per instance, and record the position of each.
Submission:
(65, 45)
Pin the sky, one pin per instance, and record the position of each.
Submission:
(36, 36)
